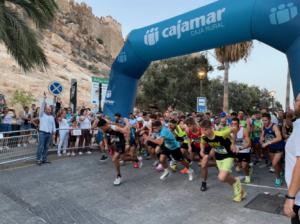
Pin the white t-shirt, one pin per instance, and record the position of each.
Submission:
(64, 125)
(8, 118)
(85, 124)
(292, 151)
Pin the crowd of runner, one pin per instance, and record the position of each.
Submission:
(174, 140)
(228, 141)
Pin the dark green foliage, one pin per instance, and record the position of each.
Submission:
(21, 40)
(175, 82)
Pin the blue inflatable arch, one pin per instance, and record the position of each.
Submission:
(274, 22)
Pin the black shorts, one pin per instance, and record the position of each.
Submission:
(275, 150)
(184, 145)
(176, 154)
(244, 157)
(195, 149)
(207, 150)
(119, 147)
(152, 144)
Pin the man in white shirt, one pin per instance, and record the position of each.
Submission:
(292, 169)
(46, 130)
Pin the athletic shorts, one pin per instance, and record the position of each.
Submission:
(152, 144)
(244, 157)
(276, 150)
(176, 153)
(195, 149)
(184, 146)
(118, 147)
(225, 164)
(256, 141)
(132, 143)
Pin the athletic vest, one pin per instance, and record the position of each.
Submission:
(240, 141)
(270, 135)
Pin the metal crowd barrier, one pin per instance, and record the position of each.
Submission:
(22, 145)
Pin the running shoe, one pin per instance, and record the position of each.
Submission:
(80, 153)
(278, 182)
(237, 191)
(159, 168)
(135, 165)
(59, 154)
(64, 152)
(247, 180)
(165, 174)
(272, 170)
(103, 158)
(155, 163)
(68, 154)
(173, 165)
(73, 154)
(118, 181)
(203, 186)
(140, 163)
(184, 171)
(89, 152)
(191, 174)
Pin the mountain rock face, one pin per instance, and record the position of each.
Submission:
(78, 45)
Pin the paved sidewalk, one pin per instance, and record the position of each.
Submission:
(80, 190)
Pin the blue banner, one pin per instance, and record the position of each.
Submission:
(274, 22)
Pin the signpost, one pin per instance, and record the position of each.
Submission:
(99, 88)
(55, 88)
(73, 95)
(201, 105)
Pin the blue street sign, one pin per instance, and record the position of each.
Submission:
(201, 105)
(55, 88)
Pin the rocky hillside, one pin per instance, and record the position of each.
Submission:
(78, 45)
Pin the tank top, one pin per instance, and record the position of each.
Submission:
(269, 135)
(85, 124)
(195, 137)
(240, 141)
(115, 137)
(181, 135)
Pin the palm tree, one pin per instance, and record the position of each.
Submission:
(19, 38)
(227, 55)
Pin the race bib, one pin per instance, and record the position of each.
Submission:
(221, 150)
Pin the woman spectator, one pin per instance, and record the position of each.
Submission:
(63, 133)
(85, 126)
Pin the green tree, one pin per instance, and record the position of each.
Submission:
(227, 55)
(22, 97)
(172, 82)
(19, 38)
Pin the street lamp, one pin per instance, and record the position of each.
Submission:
(202, 74)
(272, 94)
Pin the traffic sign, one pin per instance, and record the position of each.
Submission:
(55, 88)
(201, 104)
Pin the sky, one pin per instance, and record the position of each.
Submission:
(266, 67)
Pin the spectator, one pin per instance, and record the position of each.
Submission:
(63, 133)
(26, 119)
(292, 169)
(85, 126)
(46, 130)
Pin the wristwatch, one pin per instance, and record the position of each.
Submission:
(289, 197)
